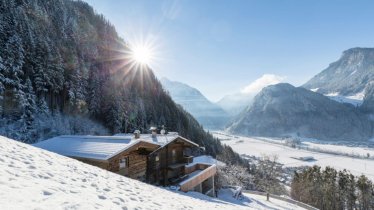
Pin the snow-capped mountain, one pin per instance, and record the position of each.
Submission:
(283, 109)
(348, 77)
(208, 114)
(235, 103)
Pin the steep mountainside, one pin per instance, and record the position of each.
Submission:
(368, 105)
(349, 76)
(191, 99)
(62, 65)
(282, 109)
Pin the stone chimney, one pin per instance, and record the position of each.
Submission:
(137, 134)
(153, 131)
(163, 131)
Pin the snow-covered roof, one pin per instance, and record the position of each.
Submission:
(102, 147)
(95, 147)
(159, 139)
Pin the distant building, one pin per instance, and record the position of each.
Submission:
(159, 159)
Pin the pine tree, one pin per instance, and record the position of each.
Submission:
(40, 77)
(364, 186)
(2, 87)
(28, 106)
(13, 62)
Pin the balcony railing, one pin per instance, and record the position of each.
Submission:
(197, 173)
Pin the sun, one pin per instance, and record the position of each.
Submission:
(142, 54)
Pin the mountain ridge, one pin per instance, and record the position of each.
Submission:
(192, 100)
(347, 76)
(283, 110)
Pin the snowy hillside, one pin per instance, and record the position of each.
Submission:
(349, 76)
(31, 178)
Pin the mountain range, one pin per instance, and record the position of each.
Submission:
(307, 111)
(335, 105)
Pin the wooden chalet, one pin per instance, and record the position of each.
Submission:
(159, 159)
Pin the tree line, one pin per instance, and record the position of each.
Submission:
(65, 70)
(331, 189)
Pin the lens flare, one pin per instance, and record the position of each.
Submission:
(142, 54)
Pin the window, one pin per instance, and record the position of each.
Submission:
(157, 158)
(124, 162)
(173, 153)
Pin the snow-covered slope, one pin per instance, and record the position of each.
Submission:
(349, 76)
(32, 178)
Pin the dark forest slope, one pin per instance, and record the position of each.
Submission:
(62, 59)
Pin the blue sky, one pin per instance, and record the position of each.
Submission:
(220, 47)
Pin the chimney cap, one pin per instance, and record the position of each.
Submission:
(153, 128)
(137, 132)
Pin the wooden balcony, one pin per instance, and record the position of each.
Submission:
(197, 174)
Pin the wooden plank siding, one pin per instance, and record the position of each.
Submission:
(137, 164)
(159, 169)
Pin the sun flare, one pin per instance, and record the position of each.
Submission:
(142, 54)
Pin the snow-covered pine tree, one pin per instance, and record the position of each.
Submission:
(94, 92)
(56, 69)
(28, 106)
(40, 74)
(77, 85)
(13, 61)
(2, 87)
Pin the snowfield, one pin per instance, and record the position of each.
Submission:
(255, 146)
(32, 178)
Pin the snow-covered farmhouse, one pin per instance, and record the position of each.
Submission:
(159, 159)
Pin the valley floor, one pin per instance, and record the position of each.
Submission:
(256, 146)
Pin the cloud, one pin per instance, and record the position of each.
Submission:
(258, 84)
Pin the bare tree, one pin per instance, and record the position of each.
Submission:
(267, 175)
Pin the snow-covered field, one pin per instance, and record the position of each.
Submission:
(257, 147)
(32, 178)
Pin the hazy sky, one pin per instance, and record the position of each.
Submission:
(221, 47)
